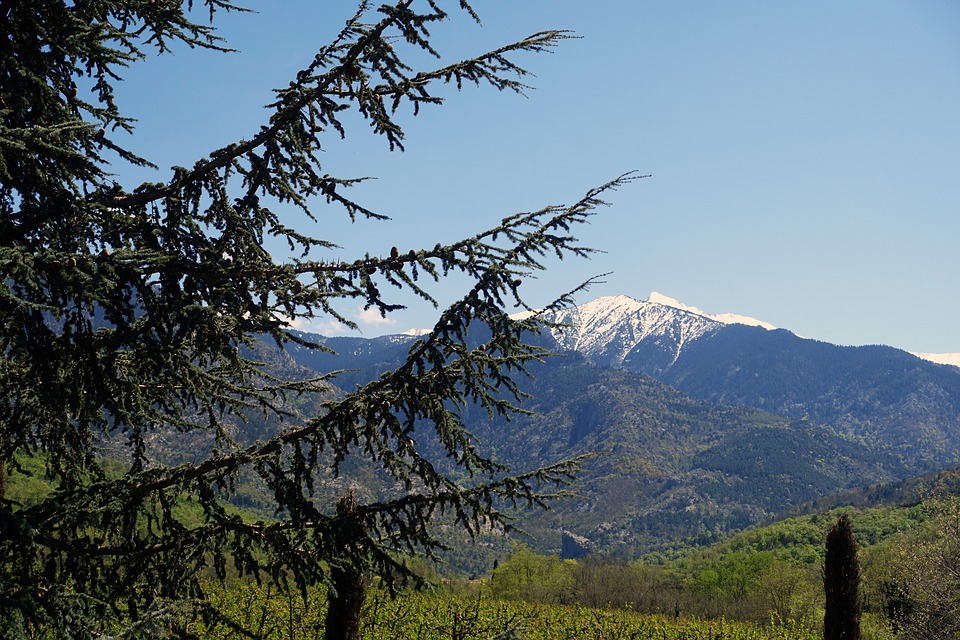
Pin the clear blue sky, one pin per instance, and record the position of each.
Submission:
(805, 156)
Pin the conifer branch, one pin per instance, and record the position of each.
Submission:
(127, 317)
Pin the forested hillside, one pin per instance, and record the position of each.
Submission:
(667, 468)
(875, 393)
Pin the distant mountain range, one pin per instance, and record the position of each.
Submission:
(704, 423)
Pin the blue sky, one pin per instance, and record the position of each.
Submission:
(804, 156)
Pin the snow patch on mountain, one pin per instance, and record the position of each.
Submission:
(952, 359)
(725, 318)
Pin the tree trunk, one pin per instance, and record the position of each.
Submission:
(349, 586)
(345, 604)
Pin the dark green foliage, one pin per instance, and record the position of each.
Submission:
(841, 583)
(134, 314)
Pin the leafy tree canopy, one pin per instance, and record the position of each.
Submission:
(132, 311)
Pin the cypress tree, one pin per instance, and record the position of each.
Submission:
(130, 313)
(841, 583)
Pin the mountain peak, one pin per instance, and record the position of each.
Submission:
(608, 328)
(667, 301)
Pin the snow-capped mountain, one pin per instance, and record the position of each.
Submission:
(609, 328)
(874, 391)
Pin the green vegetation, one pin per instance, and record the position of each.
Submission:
(477, 616)
(765, 582)
(774, 573)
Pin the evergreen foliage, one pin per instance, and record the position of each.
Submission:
(841, 583)
(128, 312)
